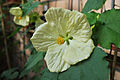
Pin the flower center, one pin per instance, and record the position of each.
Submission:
(19, 17)
(60, 40)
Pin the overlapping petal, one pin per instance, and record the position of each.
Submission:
(44, 36)
(16, 11)
(24, 21)
(78, 51)
(54, 58)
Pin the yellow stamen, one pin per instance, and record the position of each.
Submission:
(19, 17)
(60, 40)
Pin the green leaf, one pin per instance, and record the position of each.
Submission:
(94, 68)
(33, 17)
(93, 4)
(9, 74)
(38, 66)
(46, 75)
(29, 6)
(92, 17)
(24, 72)
(107, 29)
(33, 60)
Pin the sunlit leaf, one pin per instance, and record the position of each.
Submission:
(93, 4)
(92, 17)
(107, 29)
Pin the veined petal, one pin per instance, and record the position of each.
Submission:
(79, 26)
(78, 51)
(58, 17)
(72, 22)
(54, 58)
(44, 36)
(24, 21)
(16, 11)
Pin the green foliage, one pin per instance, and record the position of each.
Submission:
(94, 68)
(34, 62)
(29, 6)
(35, 18)
(92, 17)
(107, 29)
(9, 74)
(46, 75)
(33, 59)
(93, 4)
(36, 68)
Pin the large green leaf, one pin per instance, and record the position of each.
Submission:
(92, 17)
(94, 68)
(107, 29)
(46, 75)
(93, 4)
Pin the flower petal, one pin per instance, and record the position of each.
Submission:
(24, 21)
(16, 11)
(44, 36)
(78, 51)
(54, 58)
(79, 26)
(58, 17)
(72, 22)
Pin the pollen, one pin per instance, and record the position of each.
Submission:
(19, 17)
(60, 40)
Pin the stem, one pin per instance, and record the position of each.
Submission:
(5, 39)
(114, 62)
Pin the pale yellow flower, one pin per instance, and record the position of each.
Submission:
(66, 36)
(18, 19)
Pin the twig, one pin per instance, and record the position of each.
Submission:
(5, 40)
